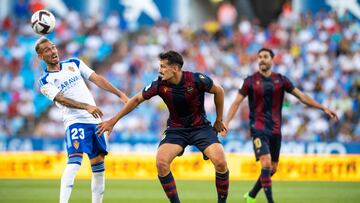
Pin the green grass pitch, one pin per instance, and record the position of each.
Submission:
(150, 191)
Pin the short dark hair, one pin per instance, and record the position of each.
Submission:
(40, 41)
(268, 50)
(173, 57)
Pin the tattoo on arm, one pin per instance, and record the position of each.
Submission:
(69, 102)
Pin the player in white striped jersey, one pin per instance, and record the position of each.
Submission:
(64, 84)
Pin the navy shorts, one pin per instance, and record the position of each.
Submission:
(201, 137)
(266, 144)
(81, 138)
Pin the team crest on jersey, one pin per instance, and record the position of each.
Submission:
(277, 81)
(72, 69)
(165, 89)
(201, 77)
(258, 82)
(76, 144)
(190, 89)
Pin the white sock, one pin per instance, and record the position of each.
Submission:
(98, 186)
(67, 182)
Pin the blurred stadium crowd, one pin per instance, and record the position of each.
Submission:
(319, 53)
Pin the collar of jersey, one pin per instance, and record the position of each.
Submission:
(181, 81)
(46, 70)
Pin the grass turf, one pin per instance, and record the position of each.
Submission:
(150, 191)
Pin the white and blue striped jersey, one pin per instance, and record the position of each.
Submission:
(69, 80)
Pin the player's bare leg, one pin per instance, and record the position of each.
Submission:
(68, 177)
(216, 154)
(98, 178)
(165, 155)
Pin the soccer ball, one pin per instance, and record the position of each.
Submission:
(43, 22)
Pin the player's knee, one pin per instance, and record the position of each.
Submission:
(75, 159)
(97, 159)
(162, 166)
(220, 165)
(265, 161)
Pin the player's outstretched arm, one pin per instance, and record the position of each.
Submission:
(104, 84)
(127, 108)
(305, 99)
(93, 110)
(218, 92)
(233, 108)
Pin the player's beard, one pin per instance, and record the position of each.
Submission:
(53, 63)
(163, 76)
(264, 67)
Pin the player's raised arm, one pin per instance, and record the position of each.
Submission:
(93, 110)
(307, 100)
(104, 84)
(128, 107)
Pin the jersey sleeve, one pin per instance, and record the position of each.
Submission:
(204, 82)
(47, 88)
(244, 90)
(151, 90)
(85, 70)
(288, 85)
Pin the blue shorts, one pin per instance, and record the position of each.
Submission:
(266, 144)
(81, 138)
(201, 137)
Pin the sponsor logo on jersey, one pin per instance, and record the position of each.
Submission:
(69, 83)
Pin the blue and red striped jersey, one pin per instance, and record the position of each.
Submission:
(185, 100)
(266, 96)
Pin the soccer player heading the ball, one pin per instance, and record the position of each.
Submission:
(265, 90)
(63, 83)
(183, 93)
